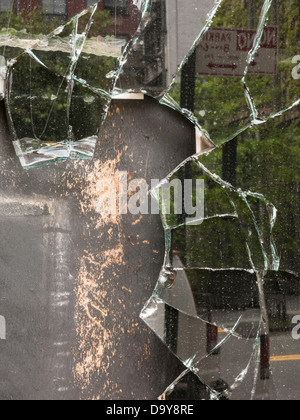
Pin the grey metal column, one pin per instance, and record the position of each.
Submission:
(72, 283)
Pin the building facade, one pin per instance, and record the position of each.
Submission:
(123, 10)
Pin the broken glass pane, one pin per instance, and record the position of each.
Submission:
(209, 84)
(277, 88)
(230, 279)
(212, 354)
(61, 64)
(221, 373)
(229, 234)
(237, 268)
(237, 68)
(267, 161)
(163, 42)
(226, 299)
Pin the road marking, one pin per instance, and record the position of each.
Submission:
(285, 358)
(274, 358)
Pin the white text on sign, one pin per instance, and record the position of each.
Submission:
(224, 52)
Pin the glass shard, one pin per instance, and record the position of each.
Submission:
(228, 292)
(267, 161)
(209, 86)
(60, 78)
(164, 40)
(278, 90)
(231, 269)
(225, 299)
(210, 351)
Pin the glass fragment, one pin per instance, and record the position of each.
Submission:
(228, 292)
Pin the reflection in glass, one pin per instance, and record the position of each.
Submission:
(164, 41)
(229, 288)
(233, 363)
(267, 162)
(237, 270)
(61, 63)
(226, 65)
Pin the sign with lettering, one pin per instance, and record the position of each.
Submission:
(224, 52)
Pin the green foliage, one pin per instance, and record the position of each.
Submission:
(102, 22)
(37, 22)
(40, 104)
(268, 155)
(34, 22)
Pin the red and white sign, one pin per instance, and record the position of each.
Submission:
(224, 52)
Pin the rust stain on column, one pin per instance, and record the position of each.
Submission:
(119, 257)
(94, 339)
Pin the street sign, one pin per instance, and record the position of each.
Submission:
(224, 52)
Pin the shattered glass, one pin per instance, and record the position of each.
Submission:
(59, 82)
(229, 288)
(230, 283)
(231, 280)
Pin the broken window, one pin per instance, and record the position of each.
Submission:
(230, 279)
(231, 282)
(60, 74)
